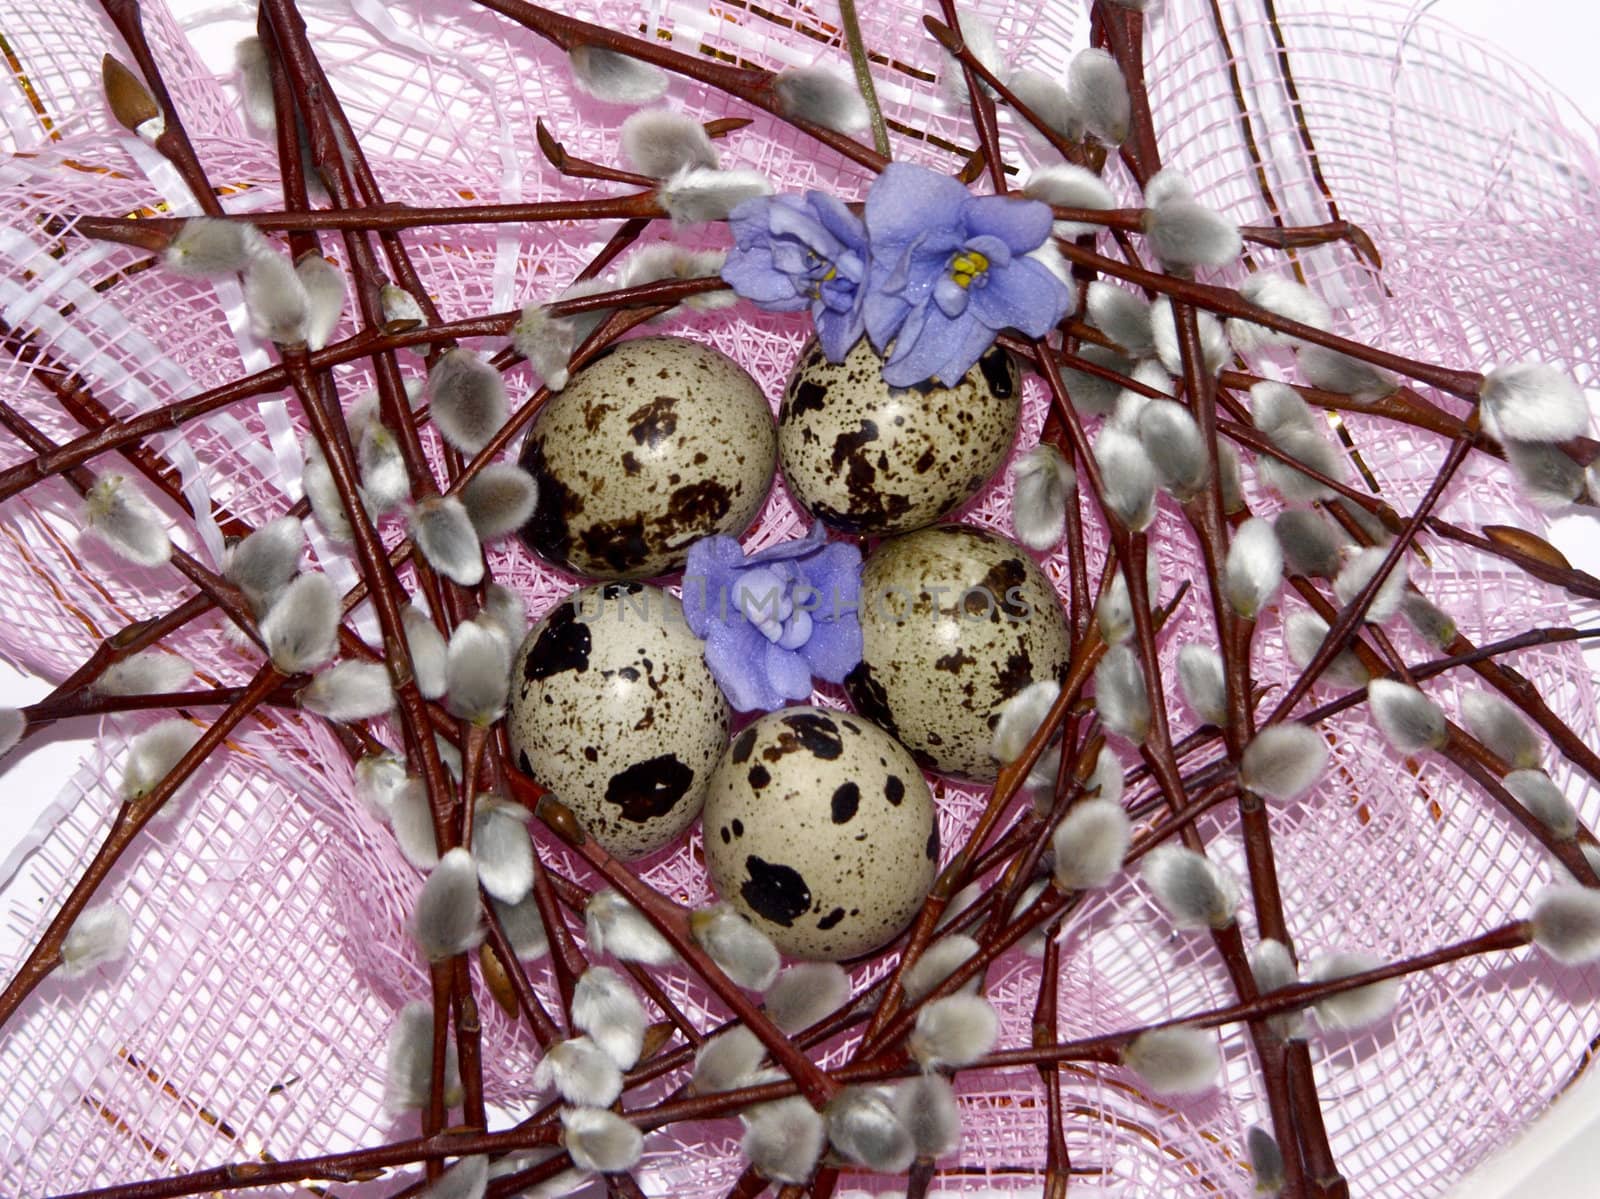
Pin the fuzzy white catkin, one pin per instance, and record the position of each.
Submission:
(1530, 401)
(742, 951)
(1122, 315)
(599, 1140)
(1052, 107)
(1284, 761)
(1200, 679)
(1106, 781)
(1020, 717)
(1266, 1161)
(323, 495)
(1194, 891)
(427, 647)
(1114, 613)
(666, 260)
(1566, 923)
(928, 1108)
(1303, 635)
(727, 1060)
(504, 612)
(784, 1140)
(547, 342)
(500, 499)
(1429, 621)
(1359, 570)
(614, 926)
(605, 1007)
(1408, 719)
(1502, 728)
(1128, 476)
(385, 482)
(1164, 333)
(954, 1032)
(276, 299)
(324, 287)
(467, 1179)
(822, 97)
(349, 691)
(1281, 297)
(580, 1071)
(1174, 1061)
(445, 920)
(1358, 1007)
(659, 141)
(1067, 186)
(1185, 234)
(99, 935)
(378, 780)
(1090, 843)
(400, 311)
(477, 674)
(412, 819)
(523, 927)
(467, 399)
(1547, 473)
(1309, 542)
(1091, 394)
(153, 754)
(805, 993)
(301, 628)
(1176, 448)
(616, 78)
(977, 34)
(1099, 95)
(264, 562)
(863, 1127)
(1534, 790)
(120, 516)
(444, 533)
(1044, 483)
(1120, 695)
(1332, 371)
(1273, 968)
(149, 672)
(937, 963)
(255, 84)
(409, 1062)
(501, 848)
(206, 246)
(695, 195)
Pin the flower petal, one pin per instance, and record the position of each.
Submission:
(907, 201)
(788, 674)
(1020, 224)
(736, 654)
(1025, 296)
(835, 647)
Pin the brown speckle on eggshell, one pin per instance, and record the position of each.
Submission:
(955, 621)
(868, 458)
(820, 828)
(615, 711)
(660, 442)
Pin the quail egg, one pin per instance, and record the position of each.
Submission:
(657, 444)
(869, 458)
(820, 828)
(955, 621)
(615, 711)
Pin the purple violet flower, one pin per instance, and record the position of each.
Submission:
(949, 270)
(776, 619)
(794, 252)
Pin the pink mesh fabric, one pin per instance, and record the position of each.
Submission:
(269, 957)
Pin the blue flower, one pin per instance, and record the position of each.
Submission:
(776, 619)
(794, 252)
(949, 270)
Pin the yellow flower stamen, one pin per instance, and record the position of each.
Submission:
(967, 266)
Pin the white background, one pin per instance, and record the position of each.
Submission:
(1558, 1158)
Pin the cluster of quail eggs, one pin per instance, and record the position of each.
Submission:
(818, 825)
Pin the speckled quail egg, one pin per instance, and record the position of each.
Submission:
(869, 458)
(820, 828)
(955, 621)
(657, 444)
(615, 711)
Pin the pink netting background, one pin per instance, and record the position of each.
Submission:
(268, 958)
